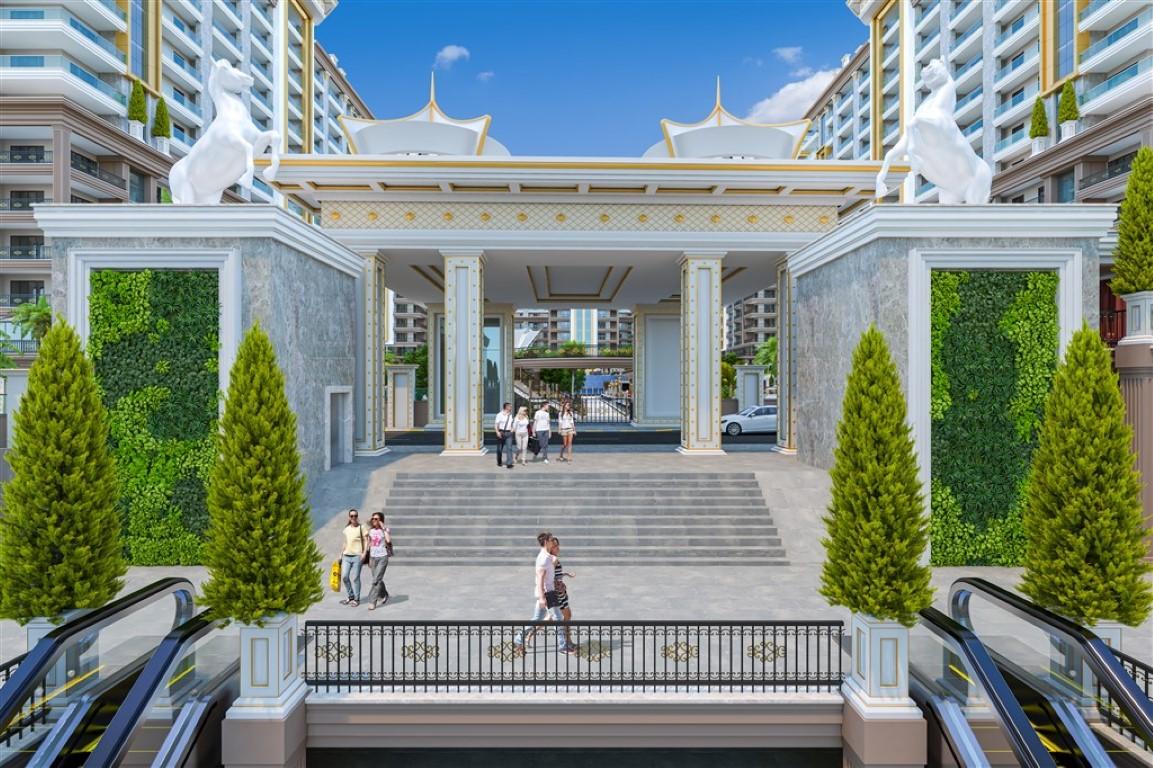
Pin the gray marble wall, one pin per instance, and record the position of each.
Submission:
(836, 302)
(307, 308)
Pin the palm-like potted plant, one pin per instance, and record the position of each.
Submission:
(33, 318)
(877, 528)
(1133, 259)
(1039, 127)
(137, 111)
(161, 125)
(1068, 113)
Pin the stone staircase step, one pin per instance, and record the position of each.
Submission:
(473, 477)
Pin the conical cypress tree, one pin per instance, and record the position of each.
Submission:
(1067, 108)
(1133, 259)
(137, 104)
(259, 551)
(161, 124)
(1039, 122)
(877, 527)
(1084, 556)
(60, 530)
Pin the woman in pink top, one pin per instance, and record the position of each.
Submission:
(379, 550)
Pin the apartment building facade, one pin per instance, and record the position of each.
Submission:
(595, 328)
(66, 71)
(750, 322)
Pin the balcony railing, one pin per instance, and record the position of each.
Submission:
(37, 61)
(85, 165)
(261, 98)
(1016, 64)
(970, 96)
(23, 252)
(1092, 8)
(1123, 31)
(1016, 99)
(16, 299)
(973, 128)
(1116, 167)
(928, 39)
(228, 33)
(1010, 140)
(184, 101)
(609, 656)
(21, 347)
(971, 63)
(26, 156)
(1125, 75)
(1016, 27)
(926, 9)
(183, 64)
(59, 14)
(21, 203)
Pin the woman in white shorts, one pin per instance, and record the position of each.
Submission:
(566, 421)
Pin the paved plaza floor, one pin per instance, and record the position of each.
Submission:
(796, 494)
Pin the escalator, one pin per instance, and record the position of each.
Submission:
(99, 692)
(1079, 695)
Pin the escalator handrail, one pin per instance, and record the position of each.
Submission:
(1102, 659)
(113, 745)
(1027, 747)
(48, 650)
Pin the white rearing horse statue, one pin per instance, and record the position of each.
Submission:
(223, 155)
(937, 149)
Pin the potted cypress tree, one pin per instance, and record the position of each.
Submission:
(1068, 113)
(1039, 127)
(1133, 259)
(877, 529)
(60, 547)
(1084, 555)
(161, 126)
(137, 111)
(262, 561)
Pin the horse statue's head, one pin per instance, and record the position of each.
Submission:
(228, 77)
(935, 74)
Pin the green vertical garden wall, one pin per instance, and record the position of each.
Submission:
(153, 336)
(994, 351)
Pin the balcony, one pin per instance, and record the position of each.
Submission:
(59, 30)
(966, 43)
(1121, 45)
(1015, 106)
(927, 13)
(179, 69)
(184, 108)
(965, 12)
(1016, 142)
(20, 204)
(231, 13)
(259, 184)
(16, 299)
(1007, 8)
(929, 44)
(1117, 167)
(36, 156)
(1016, 33)
(85, 165)
(1123, 88)
(75, 82)
(228, 36)
(1016, 71)
(180, 35)
(967, 104)
(24, 252)
(1103, 15)
(973, 127)
(261, 12)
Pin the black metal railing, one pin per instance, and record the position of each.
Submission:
(33, 155)
(20, 346)
(21, 203)
(23, 252)
(590, 406)
(1113, 169)
(1112, 713)
(609, 656)
(92, 168)
(29, 719)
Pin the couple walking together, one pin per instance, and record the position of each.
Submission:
(551, 595)
(365, 545)
(513, 432)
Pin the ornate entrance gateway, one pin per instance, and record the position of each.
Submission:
(707, 217)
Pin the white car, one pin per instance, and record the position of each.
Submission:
(757, 418)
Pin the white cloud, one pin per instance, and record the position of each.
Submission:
(754, 61)
(449, 55)
(802, 72)
(484, 77)
(790, 54)
(793, 99)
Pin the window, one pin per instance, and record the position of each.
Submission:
(1066, 33)
(23, 200)
(137, 27)
(1066, 190)
(137, 187)
(1041, 194)
(26, 61)
(26, 246)
(25, 290)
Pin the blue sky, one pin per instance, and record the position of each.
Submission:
(590, 78)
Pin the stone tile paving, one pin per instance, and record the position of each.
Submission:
(796, 494)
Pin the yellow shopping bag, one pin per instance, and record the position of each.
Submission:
(334, 576)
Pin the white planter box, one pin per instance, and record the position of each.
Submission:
(1068, 129)
(1040, 144)
(136, 130)
(879, 678)
(270, 679)
(1138, 318)
(163, 144)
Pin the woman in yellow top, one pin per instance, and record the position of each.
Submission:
(352, 556)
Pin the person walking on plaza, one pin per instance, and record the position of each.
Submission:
(521, 429)
(567, 423)
(541, 427)
(355, 537)
(559, 575)
(504, 435)
(544, 585)
(379, 550)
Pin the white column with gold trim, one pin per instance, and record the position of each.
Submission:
(464, 352)
(374, 335)
(701, 313)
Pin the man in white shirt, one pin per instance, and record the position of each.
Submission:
(505, 434)
(541, 428)
(547, 603)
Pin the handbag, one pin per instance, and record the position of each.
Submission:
(334, 576)
(534, 445)
(388, 548)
